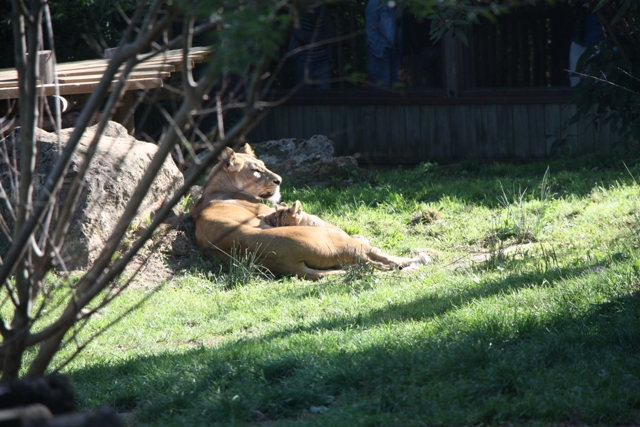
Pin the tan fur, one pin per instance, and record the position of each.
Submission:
(226, 217)
(285, 216)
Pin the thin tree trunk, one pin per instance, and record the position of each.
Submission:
(27, 66)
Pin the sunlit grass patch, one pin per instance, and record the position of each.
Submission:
(514, 331)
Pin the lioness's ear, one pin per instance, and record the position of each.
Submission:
(229, 160)
(246, 149)
(226, 154)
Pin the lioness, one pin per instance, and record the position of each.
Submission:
(226, 217)
(286, 215)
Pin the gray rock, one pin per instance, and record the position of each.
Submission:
(283, 155)
(310, 161)
(115, 171)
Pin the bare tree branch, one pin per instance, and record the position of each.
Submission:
(187, 75)
(42, 220)
(27, 66)
(54, 179)
(95, 280)
(22, 8)
(251, 116)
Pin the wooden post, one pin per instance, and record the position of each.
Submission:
(45, 67)
(124, 113)
(108, 53)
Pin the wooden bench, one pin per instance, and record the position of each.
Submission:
(80, 78)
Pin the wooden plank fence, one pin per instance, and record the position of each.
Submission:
(409, 134)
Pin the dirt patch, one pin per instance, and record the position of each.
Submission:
(171, 249)
(479, 257)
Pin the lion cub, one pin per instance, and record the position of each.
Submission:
(286, 215)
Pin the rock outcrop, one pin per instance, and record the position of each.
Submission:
(310, 161)
(116, 169)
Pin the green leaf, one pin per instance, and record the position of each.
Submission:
(600, 5)
(461, 35)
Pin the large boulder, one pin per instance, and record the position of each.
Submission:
(284, 155)
(310, 161)
(116, 169)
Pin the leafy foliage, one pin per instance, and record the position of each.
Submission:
(456, 16)
(249, 30)
(612, 70)
(243, 37)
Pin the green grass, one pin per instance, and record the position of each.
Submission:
(530, 314)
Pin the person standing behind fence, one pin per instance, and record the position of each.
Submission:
(587, 32)
(384, 40)
(313, 64)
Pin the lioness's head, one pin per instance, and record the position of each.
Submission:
(249, 175)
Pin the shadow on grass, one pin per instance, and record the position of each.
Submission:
(405, 364)
(428, 307)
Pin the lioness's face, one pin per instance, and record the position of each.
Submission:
(250, 175)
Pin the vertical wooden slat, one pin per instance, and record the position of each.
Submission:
(377, 130)
(308, 121)
(472, 133)
(326, 123)
(257, 133)
(413, 131)
(488, 119)
(386, 147)
(274, 128)
(353, 131)
(442, 133)
(383, 118)
(570, 131)
(424, 115)
(458, 143)
(520, 132)
(537, 140)
(281, 122)
(367, 122)
(295, 117)
(261, 131)
(589, 130)
(504, 119)
(312, 114)
(434, 146)
(284, 123)
(398, 138)
(338, 121)
(552, 128)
